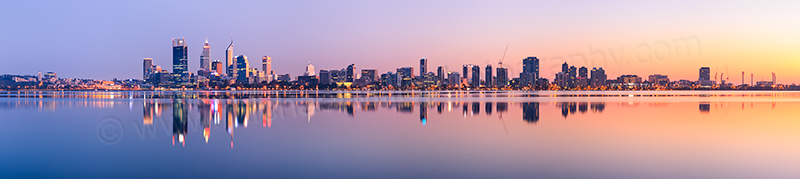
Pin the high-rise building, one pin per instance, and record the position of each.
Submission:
(705, 74)
(530, 71)
(230, 63)
(423, 66)
(218, 67)
(453, 78)
(502, 77)
(705, 77)
(369, 75)
(351, 73)
(242, 67)
(309, 70)
(598, 77)
(440, 75)
(389, 79)
(476, 76)
(582, 72)
(324, 77)
(147, 67)
(488, 79)
(266, 65)
(406, 76)
(205, 59)
(565, 68)
(572, 75)
(180, 60)
(465, 72)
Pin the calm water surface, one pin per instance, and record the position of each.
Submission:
(291, 134)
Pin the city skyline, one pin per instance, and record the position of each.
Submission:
(630, 40)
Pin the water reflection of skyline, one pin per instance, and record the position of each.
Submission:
(236, 114)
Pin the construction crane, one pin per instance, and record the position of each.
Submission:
(727, 78)
(504, 57)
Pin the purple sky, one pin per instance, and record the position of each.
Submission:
(107, 39)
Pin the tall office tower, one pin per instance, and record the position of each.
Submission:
(573, 74)
(488, 79)
(465, 71)
(531, 65)
(476, 76)
(147, 67)
(241, 68)
(440, 75)
(751, 79)
(453, 78)
(324, 77)
(351, 73)
(266, 64)
(309, 70)
(774, 82)
(530, 71)
(180, 60)
(406, 76)
(705, 74)
(230, 64)
(582, 72)
(218, 67)
(369, 75)
(598, 77)
(502, 77)
(423, 66)
(205, 59)
(565, 68)
(742, 77)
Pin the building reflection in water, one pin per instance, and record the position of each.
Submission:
(180, 118)
(423, 113)
(489, 108)
(568, 108)
(705, 107)
(237, 113)
(476, 108)
(530, 112)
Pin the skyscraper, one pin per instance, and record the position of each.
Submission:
(705, 74)
(241, 68)
(502, 77)
(598, 77)
(147, 67)
(530, 71)
(218, 67)
(205, 59)
(423, 66)
(582, 72)
(266, 65)
(406, 75)
(465, 71)
(440, 74)
(324, 77)
(572, 75)
(488, 79)
(230, 67)
(476, 76)
(180, 60)
(351, 73)
(369, 75)
(309, 70)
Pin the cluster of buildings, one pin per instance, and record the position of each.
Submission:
(233, 70)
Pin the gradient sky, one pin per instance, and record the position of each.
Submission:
(108, 39)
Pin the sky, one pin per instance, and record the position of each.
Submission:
(108, 39)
